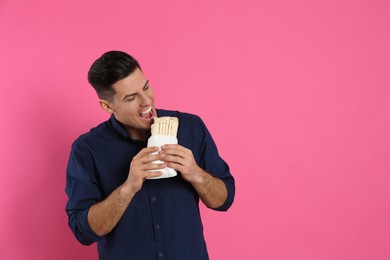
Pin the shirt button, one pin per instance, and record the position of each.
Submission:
(154, 199)
(161, 254)
(157, 226)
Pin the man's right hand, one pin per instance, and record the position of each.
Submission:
(140, 166)
(105, 215)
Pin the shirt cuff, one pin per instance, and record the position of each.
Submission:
(230, 188)
(84, 232)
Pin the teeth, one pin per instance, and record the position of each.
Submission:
(147, 111)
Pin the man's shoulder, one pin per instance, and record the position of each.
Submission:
(94, 133)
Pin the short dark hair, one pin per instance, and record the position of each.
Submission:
(111, 67)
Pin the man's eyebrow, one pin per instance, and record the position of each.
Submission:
(133, 94)
(146, 83)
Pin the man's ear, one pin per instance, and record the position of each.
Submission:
(106, 106)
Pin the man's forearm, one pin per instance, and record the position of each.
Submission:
(105, 215)
(212, 191)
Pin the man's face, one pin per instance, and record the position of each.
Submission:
(133, 104)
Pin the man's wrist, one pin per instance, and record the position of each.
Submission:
(199, 176)
(126, 190)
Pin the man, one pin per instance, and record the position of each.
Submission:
(112, 202)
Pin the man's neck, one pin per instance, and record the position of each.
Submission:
(140, 135)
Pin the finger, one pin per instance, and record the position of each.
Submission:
(153, 174)
(173, 159)
(176, 166)
(150, 158)
(146, 151)
(154, 166)
(174, 152)
(172, 146)
(175, 147)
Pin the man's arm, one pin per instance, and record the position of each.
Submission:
(212, 191)
(105, 215)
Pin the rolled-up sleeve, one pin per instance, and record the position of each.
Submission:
(212, 163)
(83, 191)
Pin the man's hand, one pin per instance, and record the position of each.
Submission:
(211, 190)
(105, 215)
(181, 159)
(140, 166)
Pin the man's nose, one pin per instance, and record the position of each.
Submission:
(145, 99)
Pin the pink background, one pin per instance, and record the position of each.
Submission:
(303, 86)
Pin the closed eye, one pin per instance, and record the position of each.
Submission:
(130, 97)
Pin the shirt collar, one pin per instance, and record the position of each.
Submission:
(119, 128)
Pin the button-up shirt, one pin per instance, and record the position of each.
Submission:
(162, 220)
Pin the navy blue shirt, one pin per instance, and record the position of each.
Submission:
(162, 220)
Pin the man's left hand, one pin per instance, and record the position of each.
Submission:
(181, 159)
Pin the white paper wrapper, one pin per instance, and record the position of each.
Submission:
(160, 140)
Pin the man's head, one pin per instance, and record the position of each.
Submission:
(111, 67)
(124, 91)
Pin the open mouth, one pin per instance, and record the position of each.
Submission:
(147, 114)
